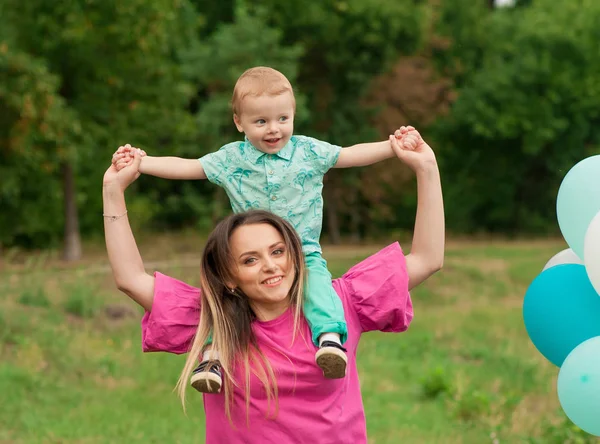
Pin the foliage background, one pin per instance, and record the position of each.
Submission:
(509, 97)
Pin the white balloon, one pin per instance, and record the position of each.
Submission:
(591, 252)
(567, 256)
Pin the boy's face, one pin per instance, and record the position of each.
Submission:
(267, 121)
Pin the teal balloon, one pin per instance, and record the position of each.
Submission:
(578, 386)
(561, 310)
(578, 201)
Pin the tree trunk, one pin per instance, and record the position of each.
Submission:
(72, 240)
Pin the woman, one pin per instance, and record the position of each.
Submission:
(251, 277)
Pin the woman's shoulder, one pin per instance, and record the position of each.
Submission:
(376, 291)
(380, 263)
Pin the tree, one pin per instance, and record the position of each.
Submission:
(524, 117)
(117, 68)
(35, 129)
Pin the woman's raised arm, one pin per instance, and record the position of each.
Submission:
(427, 252)
(127, 266)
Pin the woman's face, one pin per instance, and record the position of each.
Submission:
(265, 270)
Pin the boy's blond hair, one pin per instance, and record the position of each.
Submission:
(258, 81)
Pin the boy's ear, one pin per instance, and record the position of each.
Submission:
(238, 123)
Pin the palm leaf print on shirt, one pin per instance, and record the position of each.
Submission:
(237, 177)
(221, 167)
(314, 204)
(293, 218)
(251, 205)
(271, 188)
(301, 178)
(310, 152)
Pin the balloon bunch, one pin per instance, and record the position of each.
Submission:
(561, 309)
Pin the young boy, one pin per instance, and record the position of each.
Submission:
(274, 170)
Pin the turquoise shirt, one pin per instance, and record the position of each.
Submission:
(288, 183)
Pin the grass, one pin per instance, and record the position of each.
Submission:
(71, 368)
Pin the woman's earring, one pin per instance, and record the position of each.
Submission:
(232, 290)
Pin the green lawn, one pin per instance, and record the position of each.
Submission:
(71, 368)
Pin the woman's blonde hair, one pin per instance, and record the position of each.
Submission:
(228, 316)
(258, 81)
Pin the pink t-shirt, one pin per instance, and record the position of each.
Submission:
(311, 409)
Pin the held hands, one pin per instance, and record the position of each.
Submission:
(124, 174)
(125, 155)
(411, 149)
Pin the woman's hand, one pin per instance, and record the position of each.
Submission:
(124, 156)
(411, 149)
(125, 176)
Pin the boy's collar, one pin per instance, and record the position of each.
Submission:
(285, 153)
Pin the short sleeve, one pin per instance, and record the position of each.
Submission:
(216, 163)
(378, 291)
(172, 323)
(322, 155)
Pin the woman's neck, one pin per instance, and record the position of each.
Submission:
(268, 312)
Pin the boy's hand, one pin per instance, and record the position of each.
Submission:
(124, 156)
(410, 147)
(408, 142)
